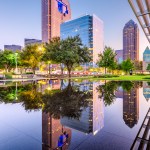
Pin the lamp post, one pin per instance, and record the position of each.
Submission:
(49, 67)
(16, 54)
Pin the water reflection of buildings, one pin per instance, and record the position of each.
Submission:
(51, 131)
(131, 107)
(92, 118)
(146, 90)
(119, 92)
(52, 128)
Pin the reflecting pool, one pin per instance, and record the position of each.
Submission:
(74, 115)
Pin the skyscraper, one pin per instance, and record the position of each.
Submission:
(131, 41)
(146, 58)
(90, 30)
(54, 12)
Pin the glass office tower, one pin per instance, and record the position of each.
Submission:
(90, 30)
(146, 58)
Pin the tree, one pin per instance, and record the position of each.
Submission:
(31, 56)
(148, 68)
(69, 52)
(50, 47)
(127, 65)
(138, 65)
(107, 59)
(7, 59)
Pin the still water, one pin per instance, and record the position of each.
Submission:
(95, 115)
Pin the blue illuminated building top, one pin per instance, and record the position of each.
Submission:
(62, 7)
(146, 55)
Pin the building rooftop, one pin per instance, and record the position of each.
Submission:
(84, 16)
(147, 50)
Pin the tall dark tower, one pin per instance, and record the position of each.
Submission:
(131, 106)
(131, 41)
(54, 12)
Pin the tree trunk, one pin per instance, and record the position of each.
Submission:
(62, 69)
(105, 70)
(33, 70)
(69, 70)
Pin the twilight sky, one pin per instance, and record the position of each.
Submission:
(21, 19)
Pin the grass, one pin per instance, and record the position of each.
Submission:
(120, 78)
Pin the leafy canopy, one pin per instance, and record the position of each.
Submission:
(69, 52)
(31, 56)
(127, 65)
(107, 59)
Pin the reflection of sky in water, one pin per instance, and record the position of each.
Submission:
(99, 127)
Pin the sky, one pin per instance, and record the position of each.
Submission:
(21, 19)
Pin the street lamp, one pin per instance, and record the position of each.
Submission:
(16, 54)
(49, 67)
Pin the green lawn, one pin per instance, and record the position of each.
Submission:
(120, 78)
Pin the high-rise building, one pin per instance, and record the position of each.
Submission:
(146, 58)
(54, 12)
(14, 48)
(90, 30)
(131, 41)
(31, 41)
(119, 56)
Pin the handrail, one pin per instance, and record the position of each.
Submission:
(137, 136)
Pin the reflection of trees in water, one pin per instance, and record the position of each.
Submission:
(10, 94)
(69, 102)
(107, 90)
(31, 99)
(129, 85)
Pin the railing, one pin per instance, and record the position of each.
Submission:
(142, 140)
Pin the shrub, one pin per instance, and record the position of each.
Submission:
(106, 76)
(8, 75)
(29, 73)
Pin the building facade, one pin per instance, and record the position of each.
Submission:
(131, 106)
(14, 48)
(54, 12)
(31, 41)
(146, 90)
(90, 30)
(146, 58)
(119, 56)
(131, 41)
